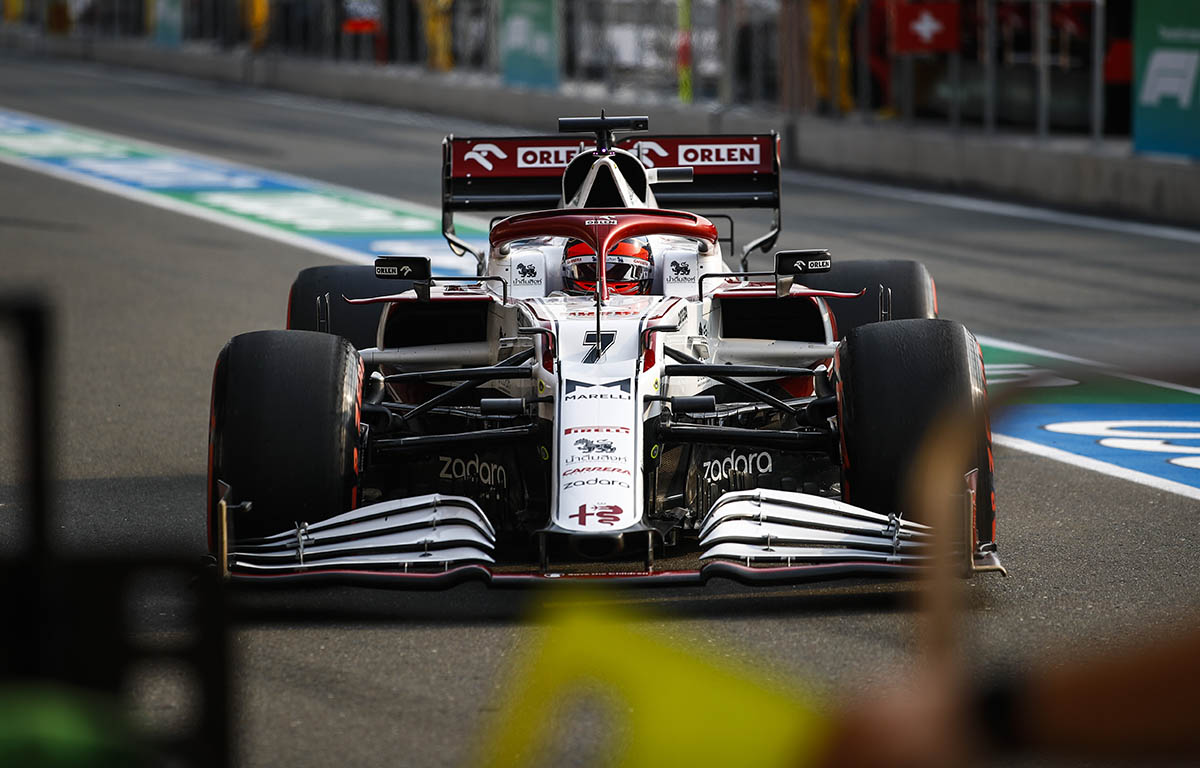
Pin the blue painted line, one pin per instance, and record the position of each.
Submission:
(1152, 438)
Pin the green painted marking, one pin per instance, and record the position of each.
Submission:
(1062, 381)
(323, 212)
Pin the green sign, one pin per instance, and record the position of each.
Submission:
(529, 34)
(1166, 101)
(168, 22)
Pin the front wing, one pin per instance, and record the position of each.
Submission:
(436, 541)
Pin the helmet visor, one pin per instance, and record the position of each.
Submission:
(622, 272)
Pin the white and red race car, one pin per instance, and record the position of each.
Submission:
(608, 397)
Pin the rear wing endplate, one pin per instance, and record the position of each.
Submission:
(524, 173)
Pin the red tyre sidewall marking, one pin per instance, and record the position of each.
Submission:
(357, 433)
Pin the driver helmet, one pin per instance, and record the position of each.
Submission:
(629, 264)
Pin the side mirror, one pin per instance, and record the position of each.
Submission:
(788, 264)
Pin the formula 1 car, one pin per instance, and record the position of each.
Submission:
(606, 398)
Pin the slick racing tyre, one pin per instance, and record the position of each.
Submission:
(913, 292)
(895, 380)
(284, 430)
(356, 323)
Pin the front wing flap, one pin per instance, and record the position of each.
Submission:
(432, 542)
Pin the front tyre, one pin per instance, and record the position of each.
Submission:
(895, 380)
(284, 429)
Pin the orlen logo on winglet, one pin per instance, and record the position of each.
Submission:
(546, 157)
(601, 222)
(718, 154)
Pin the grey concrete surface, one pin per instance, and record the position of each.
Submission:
(1069, 173)
(146, 298)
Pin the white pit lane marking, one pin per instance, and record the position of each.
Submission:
(1095, 465)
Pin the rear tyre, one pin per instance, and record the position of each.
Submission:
(284, 428)
(895, 380)
(913, 292)
(358, 323)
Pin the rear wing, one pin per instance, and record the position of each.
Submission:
(524, 173)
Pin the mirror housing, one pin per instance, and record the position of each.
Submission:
(789, 264)
(403, 268)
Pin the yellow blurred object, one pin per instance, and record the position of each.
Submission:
(258, 19)
(820, 50)
(438, 31)
(666, 704)
(13, 10)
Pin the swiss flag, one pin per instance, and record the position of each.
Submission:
(924, 27)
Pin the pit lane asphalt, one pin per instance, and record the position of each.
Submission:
(146, 298)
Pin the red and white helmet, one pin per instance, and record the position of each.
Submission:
(629, 267)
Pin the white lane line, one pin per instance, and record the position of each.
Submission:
(992, 207)
(195, 211)
(1012, 346)
(1096, 465)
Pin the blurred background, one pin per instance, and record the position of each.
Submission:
(1098, 85)
(1023, 65)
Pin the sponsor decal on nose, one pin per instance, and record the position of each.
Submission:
(758, 462)
(486, 472)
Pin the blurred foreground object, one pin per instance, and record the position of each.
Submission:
(713, 714)
(1137, 703)
(75, 654)
(48, 726)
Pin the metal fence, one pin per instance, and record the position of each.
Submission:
(1014, 65)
